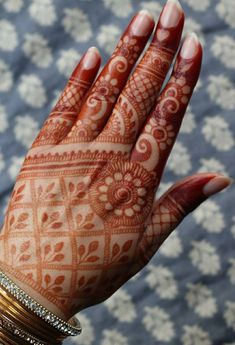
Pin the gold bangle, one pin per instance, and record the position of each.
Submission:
(57, 323)
(11, 322)
(7, 339)
(18, 332)
(26, 320)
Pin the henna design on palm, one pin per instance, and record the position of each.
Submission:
(82, 218)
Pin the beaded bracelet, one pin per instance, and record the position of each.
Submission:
(56, 322)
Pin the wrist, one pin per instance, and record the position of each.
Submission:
(25, 319)
(33, 289)
(18, 325)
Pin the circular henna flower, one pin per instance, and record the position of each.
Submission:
(162, 131)
(183, 90)
(54, 130)
(127, 47)
(83, 128)
(105, 88)
(125, 190)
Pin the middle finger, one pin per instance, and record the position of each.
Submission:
(141, 91)
(103, 95)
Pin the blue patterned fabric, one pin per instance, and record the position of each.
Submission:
(186, 295)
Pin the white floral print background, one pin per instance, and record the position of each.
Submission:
(186, 294)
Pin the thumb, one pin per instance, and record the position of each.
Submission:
(182, 198)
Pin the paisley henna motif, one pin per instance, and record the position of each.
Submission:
(159, 133)
(141, 91)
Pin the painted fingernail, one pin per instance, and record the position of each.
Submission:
(91, 58)
(142, 24)
(190, 46)
(171, 14)
(216, 185)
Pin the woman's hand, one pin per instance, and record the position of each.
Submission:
(82, 218)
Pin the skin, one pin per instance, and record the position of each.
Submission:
(83, 218)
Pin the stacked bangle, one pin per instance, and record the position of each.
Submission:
(26, 319)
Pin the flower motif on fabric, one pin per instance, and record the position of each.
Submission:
(125, 191)
(127, 47)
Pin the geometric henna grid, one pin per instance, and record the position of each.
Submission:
(74, 219)
(82, 217)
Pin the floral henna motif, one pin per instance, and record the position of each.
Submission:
(162, 131)
(128, 48)
(140, 93)
(158, 135)
(138, 97)
(62, 117)
(74, 225)
(80, 221)
(53, 254)
(125, 190)
(103, 95)
(21, 254)
(53, 284)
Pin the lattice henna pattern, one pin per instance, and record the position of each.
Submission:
(82, 218)
(54, 212)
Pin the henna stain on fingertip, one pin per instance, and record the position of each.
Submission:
(142, 24)
(91, 58)
(170, 26)
(171, 14)
(162, 34)
(190, 47)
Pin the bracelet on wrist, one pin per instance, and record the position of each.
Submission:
(29, 320)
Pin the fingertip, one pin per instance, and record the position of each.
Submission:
(95, 50)
(191, 49)
(171, 14)
(170, 25)
(190, 46)
(189, 60)
(193, 190)
(142, 24)
(147, 13)
(216, 185)
(91, 59)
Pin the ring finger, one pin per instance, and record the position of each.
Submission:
(141, 91)
(160, 131)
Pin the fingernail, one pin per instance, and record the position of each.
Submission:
(190, 46)
(171, 14)
(142, 23)
(91, 58)
(216, 185)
